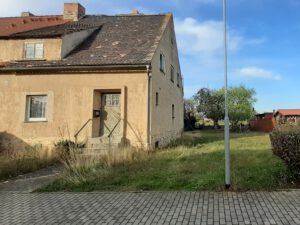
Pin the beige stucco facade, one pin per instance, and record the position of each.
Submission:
(164, 128)
(14, 49)
(70, 103)
(53, 48)
(73, 97)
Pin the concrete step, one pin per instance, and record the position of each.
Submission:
(103, 142)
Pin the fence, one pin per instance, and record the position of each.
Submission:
(263, 125)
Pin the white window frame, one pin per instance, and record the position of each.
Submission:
(35, 44)
(162, 62)
(37, 119)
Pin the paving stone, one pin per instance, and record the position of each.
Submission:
(151, 208)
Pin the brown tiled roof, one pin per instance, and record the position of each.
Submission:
(12, 25)
(288, 112)
(122, 40)
(54, 31)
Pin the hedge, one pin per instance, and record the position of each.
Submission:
(285, 142)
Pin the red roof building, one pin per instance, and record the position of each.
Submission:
(12, 25)
(287, 115)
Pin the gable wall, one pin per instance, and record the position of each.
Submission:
(163, 127)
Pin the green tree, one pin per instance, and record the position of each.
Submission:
(189, 114)
(210, 103)
(240, 104)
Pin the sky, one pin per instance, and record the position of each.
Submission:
(263, 41)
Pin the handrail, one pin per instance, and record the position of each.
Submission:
(78, 132)
(114, 128)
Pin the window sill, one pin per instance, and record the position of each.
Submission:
(36, 121)
(161, 70)
(26, 60)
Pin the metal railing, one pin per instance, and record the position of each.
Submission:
(78, 132)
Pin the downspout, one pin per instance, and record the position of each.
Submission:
(148, 107)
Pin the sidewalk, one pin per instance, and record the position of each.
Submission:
(31, 181)
(151, 208)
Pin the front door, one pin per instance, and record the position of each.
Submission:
(110, 115)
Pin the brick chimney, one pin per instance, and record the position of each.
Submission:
(73, 11)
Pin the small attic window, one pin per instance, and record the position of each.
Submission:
(34, 51)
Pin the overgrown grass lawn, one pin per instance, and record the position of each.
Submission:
(29, 160)
(194, 163)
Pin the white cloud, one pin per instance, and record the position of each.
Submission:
(255, 72)
(37, 7)
(207, 36)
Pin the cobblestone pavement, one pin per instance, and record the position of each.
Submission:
(31, 181)
(151, 208)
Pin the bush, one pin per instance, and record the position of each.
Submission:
(285, 140)
(64, 148)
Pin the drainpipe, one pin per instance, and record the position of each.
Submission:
(148, 106)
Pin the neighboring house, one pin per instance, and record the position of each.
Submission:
(287, 115)
(93, 77)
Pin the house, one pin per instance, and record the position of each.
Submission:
(287, 115)
(90, 78)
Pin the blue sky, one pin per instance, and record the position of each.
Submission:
(264, 47)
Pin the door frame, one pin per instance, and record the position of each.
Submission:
(123, 106)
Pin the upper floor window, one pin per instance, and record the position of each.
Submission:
(162, 62)
(36, 107)
(178, 80)
(34, 51)
(156, 98)
(172, 73)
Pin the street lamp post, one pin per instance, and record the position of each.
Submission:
(226, 119)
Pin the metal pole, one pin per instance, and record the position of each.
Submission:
(226, 119)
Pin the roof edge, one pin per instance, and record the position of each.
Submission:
(77, 69)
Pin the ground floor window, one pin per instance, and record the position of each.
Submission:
(36, 107)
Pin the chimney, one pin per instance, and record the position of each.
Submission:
(135, 12)
(73, 11)
(26, 14)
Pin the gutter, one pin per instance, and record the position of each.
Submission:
(149, 76)
(72, 69)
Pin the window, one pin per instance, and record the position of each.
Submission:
(111, 99)
(162, 62)
(173, 113)
(178, 80)
(156, 98)
(36, 107)
(172, 74)
(34, 51)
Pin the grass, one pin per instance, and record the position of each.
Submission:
(193, 163)
(28, 160)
